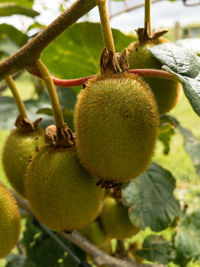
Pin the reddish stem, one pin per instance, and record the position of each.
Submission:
(80, 81)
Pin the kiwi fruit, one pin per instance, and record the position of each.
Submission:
(17, 152)
(9, 222)
(115, 220)
(94, 232)
(116, 121)
(61, 193)
(167, 92)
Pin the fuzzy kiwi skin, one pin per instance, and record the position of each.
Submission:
(61, 193)
(116, 121)
(115, 220)
(9, 222)
(19, 147)
(167, 93)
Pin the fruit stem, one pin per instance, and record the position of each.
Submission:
(147, 17)
(59, 121)
(105, 25)
(16, 96)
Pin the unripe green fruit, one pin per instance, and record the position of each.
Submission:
(9, 222)
(116, 121)
(61, 193)
(115, 220)
(18, 149)
(94, 233)
(167, 93)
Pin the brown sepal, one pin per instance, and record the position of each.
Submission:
(145, 38)
(59, 137)
(108, 62)
(122, 59)
(25, 125)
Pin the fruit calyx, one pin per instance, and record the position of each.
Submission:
(24, 124)
(145, 38)
(59, 136)
(115, 186)
(113, 63)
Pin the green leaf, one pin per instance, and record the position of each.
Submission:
(187, 239)
(76, 52)
(157, 249)
(15, 260)
(191, 88)
(181, 61)
(7, 47)
(185, 65)
(165, 133)
(150, 199)
(12, 9)
(26, 3)
(67, 115)
(9, 111)
(15, 35)
(192, 147)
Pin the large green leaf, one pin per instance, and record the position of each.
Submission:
(185, 65)
(77, 51)
(180, 60)
(26, 3)
(150, 199)
(8, 9)
(187, 239)
(157, 249)
(14, 34)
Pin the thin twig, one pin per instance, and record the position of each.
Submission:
(29, 53)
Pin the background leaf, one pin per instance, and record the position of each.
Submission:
(18, 37)
(76, 52)
(15, 260)
(150, 199)
(157, 249)
(187, 239)
(9, 9)
(42, 251)
(26, 3)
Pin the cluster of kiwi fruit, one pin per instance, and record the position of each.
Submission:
(116, 123)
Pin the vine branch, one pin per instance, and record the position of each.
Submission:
(30, 52)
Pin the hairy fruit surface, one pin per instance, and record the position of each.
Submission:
(9, 222)
(115, 220)
(62, 194)
(167, 92)
(116, 121)
(18, 150)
